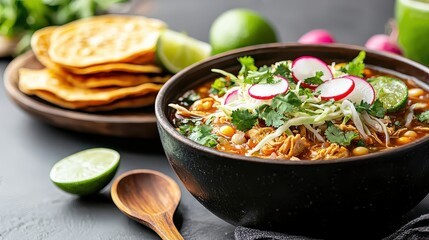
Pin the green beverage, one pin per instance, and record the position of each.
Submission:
(412, 17)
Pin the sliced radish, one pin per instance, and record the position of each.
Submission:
(232, 96)
(336, 89)
(306, 67)
(268, 91)
(363, 91)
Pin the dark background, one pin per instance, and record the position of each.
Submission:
(31, 207)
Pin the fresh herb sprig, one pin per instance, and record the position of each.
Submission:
(356, 66)
(335, 135)
(376, 109)
(200, 133)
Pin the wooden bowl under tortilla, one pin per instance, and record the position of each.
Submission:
(134, 123)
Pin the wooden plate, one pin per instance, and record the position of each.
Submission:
(136, 123)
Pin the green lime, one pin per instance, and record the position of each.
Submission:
(392, 92)
(175, 51)
(239, 28)
(85, 172)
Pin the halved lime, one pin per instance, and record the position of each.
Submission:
(175, 51)
(392, 92)
(85, 172)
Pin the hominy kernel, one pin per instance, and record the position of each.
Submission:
(359, 151)
(403, 140)
(227, 130)
(410, 134)
(416, 92)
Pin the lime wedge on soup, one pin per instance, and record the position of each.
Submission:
(175, 50)
(85, 172)
(392, 92)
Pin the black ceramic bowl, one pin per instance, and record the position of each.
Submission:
(295, 195)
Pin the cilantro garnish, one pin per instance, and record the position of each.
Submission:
(262, 76)
(284, 103)
(356, 66)
(247, 64)
(274, 115)
(189, 98)
(243, 119)
(283, 70)
(424, 117)
(200, 133)
(220, 86)
(316, 80)
(271, 116)
(335, 135)
(376, 109)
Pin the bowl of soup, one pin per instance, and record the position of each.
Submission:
(300, 138)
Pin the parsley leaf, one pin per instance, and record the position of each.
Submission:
(316, 80)
(243, 119)
(270, 116)
(247, 64)
(284, 103)
(424, 117)
(356, 66)
(376, 109)
(335, 135)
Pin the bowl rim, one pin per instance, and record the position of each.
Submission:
(164, 122)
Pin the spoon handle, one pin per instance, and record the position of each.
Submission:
(164, 226)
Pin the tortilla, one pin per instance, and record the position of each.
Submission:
(104, 39)
(46, 80)
(133, 102)
(113, 79)
(40, 43)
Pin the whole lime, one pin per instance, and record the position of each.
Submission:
(237, 28)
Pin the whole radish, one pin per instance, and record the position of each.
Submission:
(317, 36)
(385, 42)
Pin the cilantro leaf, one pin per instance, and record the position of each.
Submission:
(220, 86)
(376, 109)
(243, 119)
(270, 116)
(198, 132)
(284, 103)
(424, 117)
(202, 135)
(189, 98)
(262, 75)
(316, 80)
(282, 70)
(356, 66)
(335, 135)
(247, 64)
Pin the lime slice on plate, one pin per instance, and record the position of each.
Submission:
(392, 92)
(85, 172)
(175, 51)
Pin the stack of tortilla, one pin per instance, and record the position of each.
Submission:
(97, 64)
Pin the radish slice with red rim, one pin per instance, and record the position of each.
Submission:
(268, 91)
(363, 91)
(306, 67)
(232, 96)
(336, 89)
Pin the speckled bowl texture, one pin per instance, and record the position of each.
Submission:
(295, 196)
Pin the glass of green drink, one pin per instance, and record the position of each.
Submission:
(412, 17)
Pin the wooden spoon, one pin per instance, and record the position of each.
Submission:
(150, 198)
